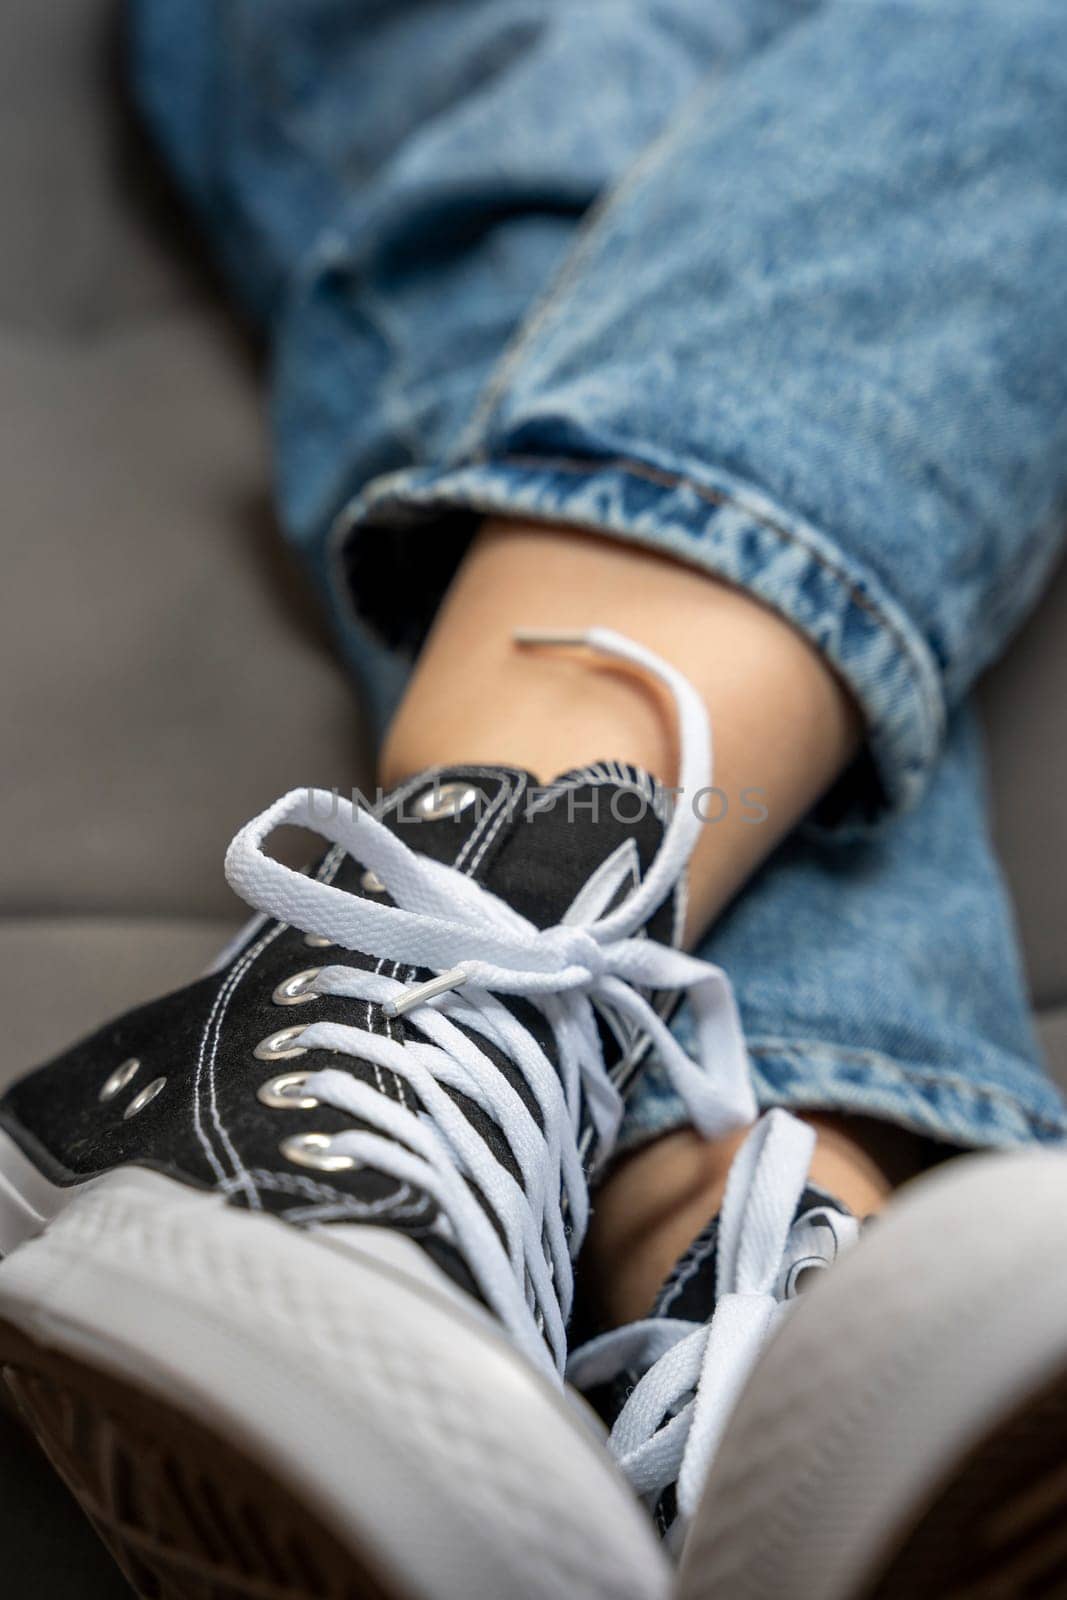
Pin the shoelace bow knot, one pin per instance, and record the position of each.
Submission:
(479, 948)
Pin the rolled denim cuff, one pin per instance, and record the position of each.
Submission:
(965, 1109)
(378, 568)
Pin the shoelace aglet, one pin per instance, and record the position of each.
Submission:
(422, 992)
(560, 636)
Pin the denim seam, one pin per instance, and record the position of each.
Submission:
(805, 1050)
(419, 489)
(640, 1128)
(718, 497)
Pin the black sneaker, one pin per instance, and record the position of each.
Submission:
(292, 1247)
(667, 1385)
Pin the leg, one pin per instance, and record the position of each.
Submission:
(790, 491)
(879, 980)
(787, 490)
(784, 724)
(216, 119)
(881, 513)
(388, 187)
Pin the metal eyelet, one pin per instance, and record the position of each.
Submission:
(371, 883)
(313, 1150)
(317, 941)
(297, 990)
(444, 800)
(281, 1045)
(123, 1074)
(283, 1092)
(145, 1097)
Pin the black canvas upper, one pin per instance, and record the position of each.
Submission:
(689, 1290)
(208, 1128)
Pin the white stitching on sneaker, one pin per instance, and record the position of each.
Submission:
(687, 1270)
(206, 1063)
(509, 800)
(205, 1067)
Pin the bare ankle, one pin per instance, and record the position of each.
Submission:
(784, 726)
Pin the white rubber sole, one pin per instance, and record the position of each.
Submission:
(904, 1436)
(363, 1402)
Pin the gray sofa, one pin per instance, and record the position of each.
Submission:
(165, 674)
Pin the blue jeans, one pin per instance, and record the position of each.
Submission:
(775, 286)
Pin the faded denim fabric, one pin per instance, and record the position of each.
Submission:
(778, 287)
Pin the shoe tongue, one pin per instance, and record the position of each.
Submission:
(538, 846)
(689, 1292)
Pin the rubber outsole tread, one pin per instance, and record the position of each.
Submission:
(186, 1515)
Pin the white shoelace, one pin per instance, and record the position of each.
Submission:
(481, 948)
(693, 1372)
